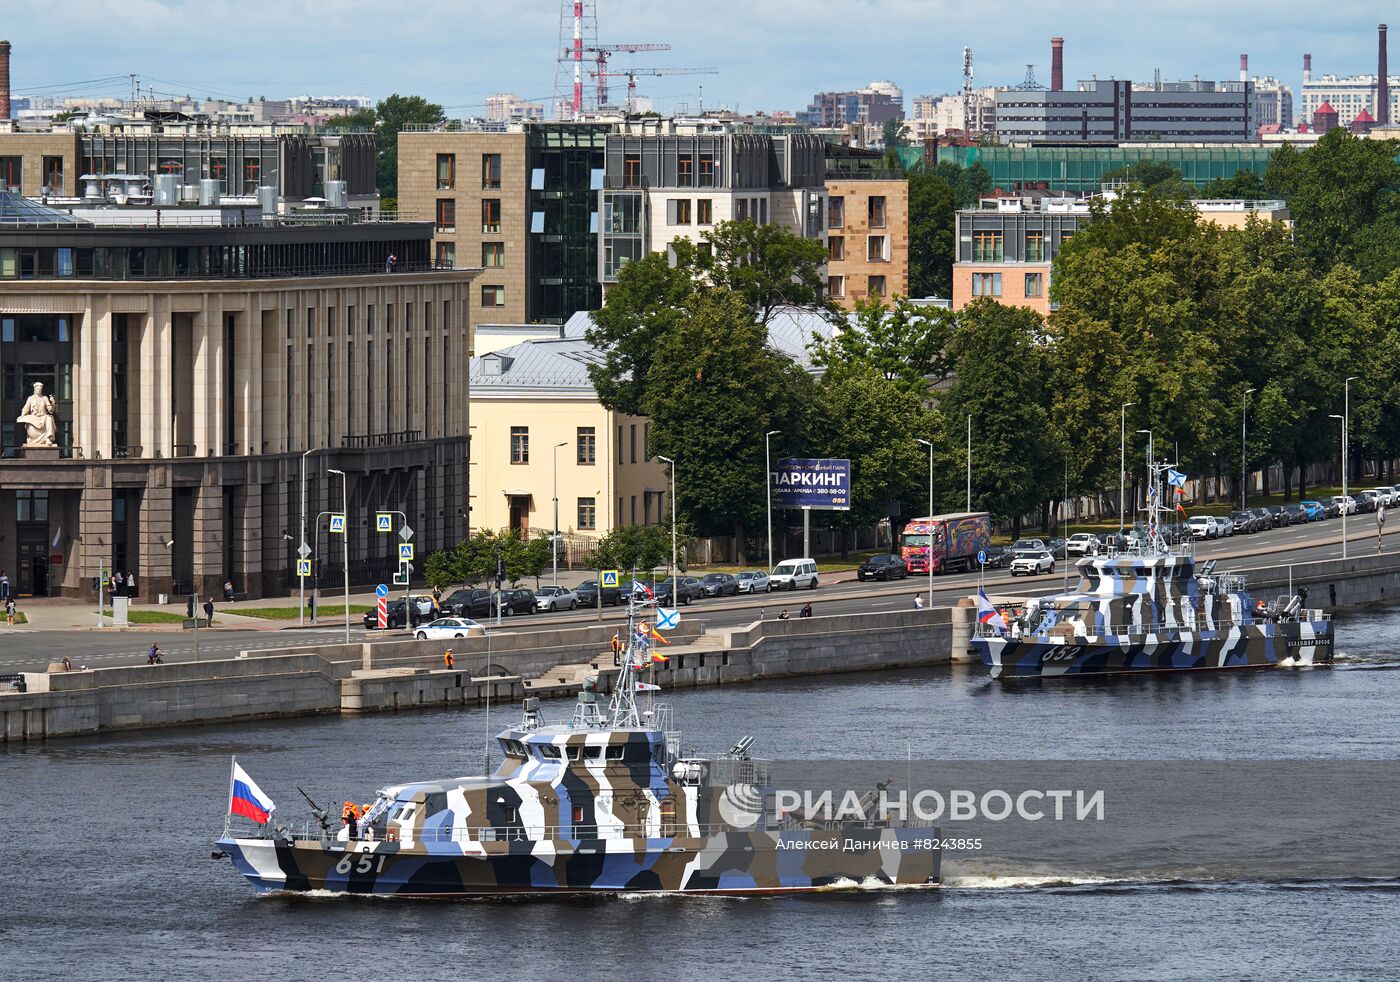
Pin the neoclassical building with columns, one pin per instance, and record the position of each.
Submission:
(194, 356)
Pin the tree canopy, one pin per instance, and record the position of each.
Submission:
(389, 116)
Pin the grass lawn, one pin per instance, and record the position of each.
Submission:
(134, 616)
(290, 613)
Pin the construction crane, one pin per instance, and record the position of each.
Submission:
(603, 52)
(632, 73)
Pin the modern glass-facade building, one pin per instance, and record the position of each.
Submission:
(1082, 169)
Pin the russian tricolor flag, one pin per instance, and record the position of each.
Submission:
(246, 798)
(988, 614)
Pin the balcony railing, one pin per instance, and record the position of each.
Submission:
(372, 440)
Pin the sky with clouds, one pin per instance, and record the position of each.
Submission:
(770, 54)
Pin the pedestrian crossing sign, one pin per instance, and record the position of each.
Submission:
(609, 577)
(303, 567)
(338, 524)
(383, 521)
(405, 551)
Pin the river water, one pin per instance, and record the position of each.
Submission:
(105, 869)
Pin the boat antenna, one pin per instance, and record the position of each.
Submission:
(622, 711)
(489, 687)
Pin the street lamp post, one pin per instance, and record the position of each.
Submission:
(675, 582)
(1244, 445)
(345, 543)
(1122, 458)
(554, 543)
(969, 471)
(1346, 451)
(768, 488)
(929, 559)
(301, 609)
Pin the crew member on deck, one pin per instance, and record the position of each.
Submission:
(349, 815)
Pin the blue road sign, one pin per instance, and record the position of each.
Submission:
(405, 551)
(982, 556)
(383, 521)
(381, 591)
(338, 524)
(609, 577)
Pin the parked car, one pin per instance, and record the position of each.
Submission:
(422, 611)
(448, 627)
(1224, 527)
(1020, 545)
(587, 592)
(1083, 544)
(1314, 509)
(1202, 527)
(555, 598)
(793, 573)
(1366, 501)
(1243, 522)
(998, 557)
(883, 567)
(1032, 562)
(1297, 514)
(518, 601)
(1384, 496)
(1265, 517)
(679, 590)
(754, 581)
(467, 603)
(1347, 503)
(721, 585)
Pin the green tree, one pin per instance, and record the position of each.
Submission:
(713, 388)
(932, 251)
(1244, 184)
(900, 341)
(639, 547)
(894, 134)
(388, 118)
(438, 569)
(1162, 180)
(767, 265)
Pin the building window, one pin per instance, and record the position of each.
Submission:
(447, 255)
(53, 174)
(986, 284)
(493, 254)
(1035, 247)
(836, 248)
(490, 216)
(11, 169)
(446, 171)
(876, 211)
(588, 513)
(520, 444)
(632, 171)
(835, 212)
(678, 211)
(877, 248)
(493, 296)
(836, 286)
(646, 441)
(1035, 284)
(986, 247)
(587, 445)
(685, 172)
(704, 212)
(446, 215)
(876, 286)
(632, 439)
(707, 170)
(491, 171)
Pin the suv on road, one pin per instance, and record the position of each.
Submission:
(588, 594)
(886, 567)
(790, 574)
(679, 590)
(467, 603)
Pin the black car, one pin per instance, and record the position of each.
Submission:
(422, 613)
(998, 557)
(588, 594)
(517, 601)
(720, 585)
(1265, 517)
(886, 567)
(474, 604)
(1244, 522)
(683, 590)
(1281, 516)
(1297, 514)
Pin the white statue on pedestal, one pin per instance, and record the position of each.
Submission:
(39, 421)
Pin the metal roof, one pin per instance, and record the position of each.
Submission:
(17, 211)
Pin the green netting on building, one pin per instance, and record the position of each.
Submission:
(1082, 168)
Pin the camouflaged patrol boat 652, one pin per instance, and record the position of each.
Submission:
(601, 804)
(1149, 609)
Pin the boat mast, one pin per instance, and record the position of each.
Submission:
(622, 710)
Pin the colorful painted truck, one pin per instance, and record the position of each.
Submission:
(952, 540)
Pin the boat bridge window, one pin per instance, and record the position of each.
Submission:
(615, 751)
(592, 753)
(573, 751)
(550, 752)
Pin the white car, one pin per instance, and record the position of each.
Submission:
(1386, 495)
(1202, 527)
(448, 627)
(1223, 526)
(1032, 562)
(555, 598)
(1344, 503)
(790, 574)
(1083, 544)
(754, 581)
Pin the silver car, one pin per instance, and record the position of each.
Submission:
(754, 581)
(555, 598)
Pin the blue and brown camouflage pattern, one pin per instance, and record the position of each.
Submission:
(1154, 614)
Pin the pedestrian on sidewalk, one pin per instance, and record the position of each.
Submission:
(784, 615)
(918, 601)
(10, 611)
(1380, 524)
(209, 612)
(228, 591)
(806, 610)
(4, 585)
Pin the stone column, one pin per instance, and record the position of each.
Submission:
(248, 540)
(209, 533)
(208, 388)
(152, 398)
(97, 346)
(247, 379)
(94, 552)
(157, 527)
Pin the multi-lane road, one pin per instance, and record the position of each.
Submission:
(32, 649)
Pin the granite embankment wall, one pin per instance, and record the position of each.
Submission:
(306, 680)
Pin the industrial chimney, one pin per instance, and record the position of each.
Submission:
(1244, 68)
(1382, 84)
(1057, 64)
(4, 79)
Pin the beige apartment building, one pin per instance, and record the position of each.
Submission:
(867, 239)
(196, 363)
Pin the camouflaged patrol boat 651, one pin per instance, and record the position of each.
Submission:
(601, 804)
(1149, 609)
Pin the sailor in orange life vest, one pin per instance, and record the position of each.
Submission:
(349, 814)
(447, 658)
(617, 650)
